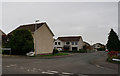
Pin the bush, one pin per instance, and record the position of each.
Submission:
(20, 42)
(109, 59)
(101, 49)
(112, 53)
(82, 51)
(55, 51)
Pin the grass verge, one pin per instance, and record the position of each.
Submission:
(110, 60)
(48, 55)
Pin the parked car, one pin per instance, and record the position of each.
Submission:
(31, 54)
(106, 50)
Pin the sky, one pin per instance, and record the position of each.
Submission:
(91, 20)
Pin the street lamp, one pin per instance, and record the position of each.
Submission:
(36, 36)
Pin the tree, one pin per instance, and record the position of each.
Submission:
(113, 43)
(21, 42)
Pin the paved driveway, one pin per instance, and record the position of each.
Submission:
(83, 63)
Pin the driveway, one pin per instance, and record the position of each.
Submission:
(79, 63)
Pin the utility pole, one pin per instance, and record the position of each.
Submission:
(35, 32)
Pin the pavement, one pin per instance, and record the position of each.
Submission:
(79, 64)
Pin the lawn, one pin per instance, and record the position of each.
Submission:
(58, 54)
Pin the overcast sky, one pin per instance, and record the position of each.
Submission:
(91, 20)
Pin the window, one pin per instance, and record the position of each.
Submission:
(58, 43)
(72, 43)
(55, 43)
(98, 46)
(67, 43)
(76, 43)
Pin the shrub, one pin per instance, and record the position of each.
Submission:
(21, 42)
(109, 59)
(82, 51)
(112, 53)
(55, 51)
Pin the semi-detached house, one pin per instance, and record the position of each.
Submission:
(74, 43)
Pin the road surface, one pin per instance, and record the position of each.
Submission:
(79, 63)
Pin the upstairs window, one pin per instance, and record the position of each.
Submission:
(72, 43)
(76, 43)
(55, 43)
(58, 43)
(67, 43)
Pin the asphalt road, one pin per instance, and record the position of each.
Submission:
(82, 63)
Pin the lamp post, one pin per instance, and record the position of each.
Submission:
(36, 36)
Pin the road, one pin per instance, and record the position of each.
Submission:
(79, 63)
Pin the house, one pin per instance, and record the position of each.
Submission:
(42, 35)
(69, 43)
(3, 37)
(88, 47)
(98, 47)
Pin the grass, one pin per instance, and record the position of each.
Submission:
(109, 59)
(75, 51)
(48, 55)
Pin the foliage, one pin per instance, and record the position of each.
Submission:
(82, 51)
(109, 59)
(101, 49)
(75, 51)
(55, 51)
(113, 42)
(21, 42)
(112, 53)
(57, 54)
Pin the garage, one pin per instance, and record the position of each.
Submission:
(74, 48)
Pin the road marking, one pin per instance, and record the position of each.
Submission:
(21, 67)
(65, 73)
(7, 66)
(11, 65)
(28, 70)
(47, 73)
(98, 66)
(34, 69)
(53, 71)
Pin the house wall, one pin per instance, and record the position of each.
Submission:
(73, 45)
(80, 44)
(0, 39)
(44, 40)
(61, 43)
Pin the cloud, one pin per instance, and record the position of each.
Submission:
(92, 20)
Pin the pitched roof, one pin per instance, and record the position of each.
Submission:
(98, 44)
(86, 43)
(31, 27)
(2, 32)
(70, 38)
